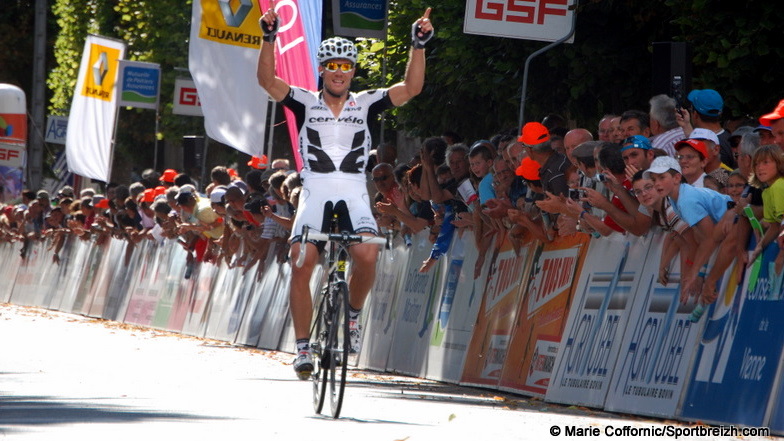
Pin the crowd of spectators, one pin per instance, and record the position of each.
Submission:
(238, 220)
(680, 169)
(705, 183)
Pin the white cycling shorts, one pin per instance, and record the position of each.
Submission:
(320, 196)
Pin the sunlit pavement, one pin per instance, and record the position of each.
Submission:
(67, 377)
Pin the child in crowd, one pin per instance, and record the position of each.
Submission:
(709, 218)
(768, 174)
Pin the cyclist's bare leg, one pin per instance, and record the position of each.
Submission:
(363, 272)
(300, 300)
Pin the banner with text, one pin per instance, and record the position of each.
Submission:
(543, 20)
(88, 142)
(222, 58)
(366, 18)
(140, 84)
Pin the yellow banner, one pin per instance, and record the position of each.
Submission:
(234, 22)
(102, 72)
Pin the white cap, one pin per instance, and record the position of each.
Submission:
(216, 196)
(661, 165)
(704, 134)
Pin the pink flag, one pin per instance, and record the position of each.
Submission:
(293, 55)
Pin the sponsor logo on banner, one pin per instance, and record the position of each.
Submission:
(505, 278)
(235, 25)
(554, 272)
(12, 154)
(186, 98)
(653, 361)
(139, 84)
(542, 362)
(360, 18)
(99, 82)
(543, 20)
(494, 357)
(56, 129)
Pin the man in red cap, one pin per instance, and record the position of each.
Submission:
(167, 178)
(259, 163)
(536, 139)
(775, 120)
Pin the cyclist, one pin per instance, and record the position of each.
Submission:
(334, 142)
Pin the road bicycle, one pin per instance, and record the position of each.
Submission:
(329, 334)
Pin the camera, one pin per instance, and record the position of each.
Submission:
(600, 177)
(676, 91)
(575, 194)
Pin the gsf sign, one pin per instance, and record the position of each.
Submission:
(12, 155)
(543, 20)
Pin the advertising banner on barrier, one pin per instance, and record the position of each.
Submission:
(490, 340)
(657, 347)
(458, 307)
(414, 311)
(597, 320)
(739, 350)
(544, 308)
(379, 325)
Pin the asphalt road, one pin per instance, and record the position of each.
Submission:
(66, 377)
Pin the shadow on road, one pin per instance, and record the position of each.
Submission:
(36, 410)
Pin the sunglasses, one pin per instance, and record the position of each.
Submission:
(332, 66)
(381, 178)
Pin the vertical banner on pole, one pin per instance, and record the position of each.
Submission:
(88, 143)
(295, 52)
(222, 57)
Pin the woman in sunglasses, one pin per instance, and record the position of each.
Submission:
(334, 142)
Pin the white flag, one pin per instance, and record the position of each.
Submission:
(222, 59)
(88, 142)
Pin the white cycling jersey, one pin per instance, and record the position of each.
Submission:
(334, 151)
(330, 144)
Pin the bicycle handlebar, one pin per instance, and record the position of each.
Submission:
(344, 238)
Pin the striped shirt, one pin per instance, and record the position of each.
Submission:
(666, 141)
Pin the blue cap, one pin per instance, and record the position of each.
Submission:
(706, 102)
(636, 142)
(763, 127)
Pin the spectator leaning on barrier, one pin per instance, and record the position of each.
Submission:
(707, 214)
(713, 164)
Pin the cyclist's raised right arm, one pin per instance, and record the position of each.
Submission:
(265, 70)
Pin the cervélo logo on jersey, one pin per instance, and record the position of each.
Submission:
(344, 119)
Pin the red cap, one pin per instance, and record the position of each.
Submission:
(778, 113)
(148, 195)
(169, 175)
(528, 169)
(259, 163)
(159, 190)
(534, 133)
(696, 144)
(103, 204)
(232, 172)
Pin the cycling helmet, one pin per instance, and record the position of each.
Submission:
(336, 47)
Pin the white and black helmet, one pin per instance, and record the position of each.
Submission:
(336, 47)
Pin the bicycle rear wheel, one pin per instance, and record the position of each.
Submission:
(318, 342)
(339, 346)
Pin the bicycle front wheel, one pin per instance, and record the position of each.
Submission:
(339, 347)
(318, 341)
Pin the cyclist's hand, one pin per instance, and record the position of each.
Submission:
(269, 23)
(422, 30)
